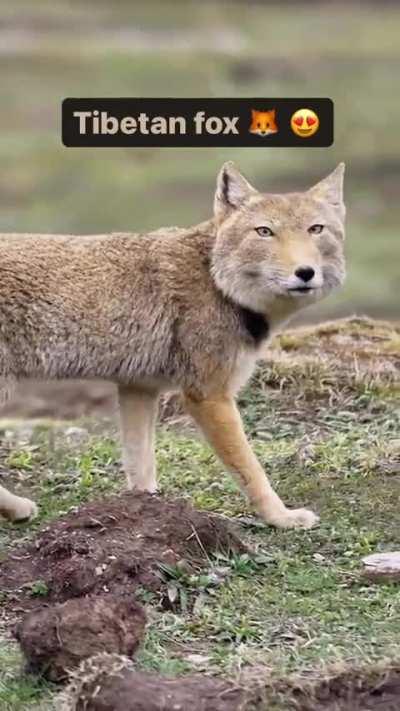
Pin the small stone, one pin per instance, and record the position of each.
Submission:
(198, 660)
(318, 557)
(383, 566)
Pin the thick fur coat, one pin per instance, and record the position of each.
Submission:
(176, 309)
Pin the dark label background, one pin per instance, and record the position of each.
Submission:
(188, 108)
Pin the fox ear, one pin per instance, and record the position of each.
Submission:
(330, 188)
(232, 190)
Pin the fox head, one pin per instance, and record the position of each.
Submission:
(277, 253)
(263, 122)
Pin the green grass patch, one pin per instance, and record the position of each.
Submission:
(299, 603)
(19, 691)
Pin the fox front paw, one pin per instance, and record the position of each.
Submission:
(295, 518)
(149, 485)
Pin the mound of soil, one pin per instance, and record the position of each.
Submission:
(113, 546)
(55, 639)
(137, 691)
(352, 691)
(110, 683)
(349, 350)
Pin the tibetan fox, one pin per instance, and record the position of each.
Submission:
(188, 310)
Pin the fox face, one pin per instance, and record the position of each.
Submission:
(278, 251)
(263, 122)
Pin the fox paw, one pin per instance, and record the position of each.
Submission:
(23, 509)
(141, 486)
(296, 518)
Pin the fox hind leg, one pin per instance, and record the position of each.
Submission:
(138, 413)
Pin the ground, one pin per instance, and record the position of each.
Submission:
(322, 413)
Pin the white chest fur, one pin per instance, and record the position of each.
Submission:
(244, 367)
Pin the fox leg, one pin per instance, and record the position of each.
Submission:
(220, 420)
(138, 412)
(16, 508)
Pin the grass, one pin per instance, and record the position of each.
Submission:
(20, 692)
(322, 413)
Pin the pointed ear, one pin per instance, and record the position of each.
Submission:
(330, 188)
(232, 190)
(253, 113)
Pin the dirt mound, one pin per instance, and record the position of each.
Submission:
(110, 683)
(57, 638)
(137, 691)
(348, 350)
(113, 546)
(369, 689)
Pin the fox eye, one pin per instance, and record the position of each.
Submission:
(264, 231)
(315, 229)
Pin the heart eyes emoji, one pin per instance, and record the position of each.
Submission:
(304, 123)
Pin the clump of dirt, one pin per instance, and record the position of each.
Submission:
(113, 546)
(55, 639)
(110, 683)
(369, 688)
(138, 691)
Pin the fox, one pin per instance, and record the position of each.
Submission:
(263, 123)
(187, 310)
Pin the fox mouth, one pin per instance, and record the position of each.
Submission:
(302, 289)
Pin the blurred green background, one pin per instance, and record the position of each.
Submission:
(50, 49)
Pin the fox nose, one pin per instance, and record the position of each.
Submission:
(305, 273)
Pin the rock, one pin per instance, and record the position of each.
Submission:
(55, 639)
(383, 566)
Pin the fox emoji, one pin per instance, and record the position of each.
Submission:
(263, 122)
(184, 309)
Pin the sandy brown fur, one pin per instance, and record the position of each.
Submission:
(185, 309)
